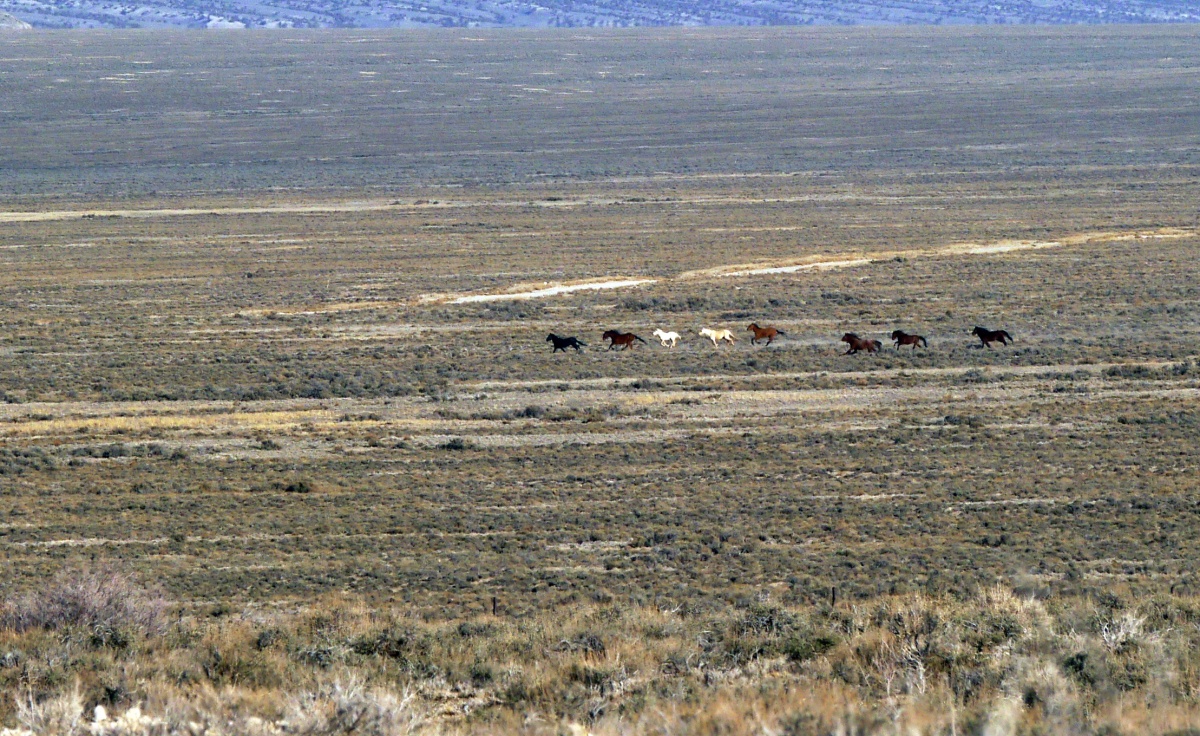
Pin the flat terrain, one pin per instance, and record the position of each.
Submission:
(235, 356)
(283, 448)
(587, 15)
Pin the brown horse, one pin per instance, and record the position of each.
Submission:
(987, 337)
(857, 343)
(625, 339)
(767, 333)
(903, 338)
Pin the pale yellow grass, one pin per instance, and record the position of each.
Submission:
(199, 423)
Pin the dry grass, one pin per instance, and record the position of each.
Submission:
(238, 376)
(993, 662)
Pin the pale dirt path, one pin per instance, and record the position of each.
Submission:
(1016, 370)
(824, 263)
(400, 206)
(98, 410)
(311, 428)
(446, 204)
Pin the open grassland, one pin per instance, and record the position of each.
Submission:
(271, 364)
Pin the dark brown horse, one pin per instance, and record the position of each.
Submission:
(987, 337)
(903, 338)
(562, 343)
(767, 333)
(624, 339)
(857, 343)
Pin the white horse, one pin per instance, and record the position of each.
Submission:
(666, 337)
(716, 335)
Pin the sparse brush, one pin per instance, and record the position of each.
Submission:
(106, 603)
(61, 713)
(350, 707)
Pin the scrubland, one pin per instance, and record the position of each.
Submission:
(261, 472)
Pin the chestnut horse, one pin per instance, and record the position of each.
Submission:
(562, 343)
(857, 343)
(767, 333)
(903, 338)
(624, 339)
(987, 337)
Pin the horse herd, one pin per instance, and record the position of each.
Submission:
(626, 340)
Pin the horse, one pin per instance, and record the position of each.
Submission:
(987, 337)
(666, 337)
(620, 338)
(767, 333)
(857, 343)
(903, 338)
(716, 335)
(562, 343)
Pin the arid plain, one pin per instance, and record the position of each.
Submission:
(263, 356)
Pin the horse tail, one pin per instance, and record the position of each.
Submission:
(780, 332)
(924, 341)
(635, 337)
(577, 342)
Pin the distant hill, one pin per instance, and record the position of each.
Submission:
(582, 13)
(11, 22)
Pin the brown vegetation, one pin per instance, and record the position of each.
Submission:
(993, 662)
(359, 505)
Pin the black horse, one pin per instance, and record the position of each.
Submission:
(987, 337)
(562, 343)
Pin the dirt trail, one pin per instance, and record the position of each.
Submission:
(827, 263)
(494, 419)
(1016, 370)
(553, 290)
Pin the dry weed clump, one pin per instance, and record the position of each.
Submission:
(991, 663)
(105, 604)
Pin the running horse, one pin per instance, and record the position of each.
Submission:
(857, 343)
(987, 337)
(667, 338)
(767, 333)
(624, 339)
(717, 335)
(903, 338)
(562, 343)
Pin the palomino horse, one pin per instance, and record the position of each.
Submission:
(625, 339)
(666, 337)
(562, 343)
(903, 338)
(987, 337)
(857, 343)
(716, 335)
(767, 333)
